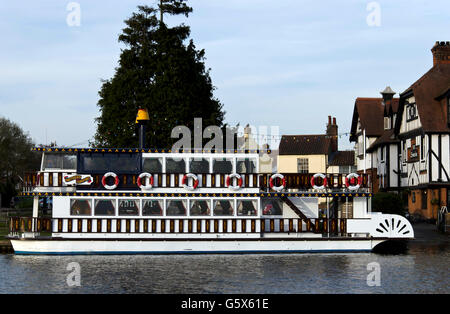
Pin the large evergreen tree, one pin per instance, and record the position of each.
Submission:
(159, 70)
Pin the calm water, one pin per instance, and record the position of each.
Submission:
(423, 269)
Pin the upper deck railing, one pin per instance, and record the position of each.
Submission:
(133, 182)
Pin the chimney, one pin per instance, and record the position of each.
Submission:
(441, 53)
(387, 94)
(332, 132)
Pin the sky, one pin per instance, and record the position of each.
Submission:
(286, 63)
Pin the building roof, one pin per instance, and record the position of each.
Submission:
(370, 112)
(425, 90)
(387, 137)
(392, 106)
(342, 158)
(305, 145)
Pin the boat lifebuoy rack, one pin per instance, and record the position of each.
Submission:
(185, 181)
(348, 179)
(229, 181)
(147, 184)
(324, 183)
(116, 181)
(272, 182)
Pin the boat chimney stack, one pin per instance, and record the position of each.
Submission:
(141, 122)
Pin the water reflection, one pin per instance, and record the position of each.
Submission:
(423, 269)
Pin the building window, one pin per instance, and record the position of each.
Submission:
(424, 199)
(411, 112)
(302, 165)
(413, 198)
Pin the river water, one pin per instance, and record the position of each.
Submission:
(422, 269)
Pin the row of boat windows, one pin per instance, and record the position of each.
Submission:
(173, 207)
(131, 163)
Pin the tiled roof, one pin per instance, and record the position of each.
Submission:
(305, 145)
(342, 158)
(425, 90)
(371, 115)
(386, 138)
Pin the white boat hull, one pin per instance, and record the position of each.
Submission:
(60, 247)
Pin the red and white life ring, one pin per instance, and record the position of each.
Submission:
(324, 184)
(272, 182)
(229, 181)
(147, 184)
(116, 181)
(351, 176)
(185, 179)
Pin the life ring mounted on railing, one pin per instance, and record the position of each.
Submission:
(229, 181)
(185, 181)
(319, 187)
(148, 184)
(348, 179)
(273, 179)
(116, 181)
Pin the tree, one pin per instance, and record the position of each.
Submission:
(388, 203)
(16, 158)
(160, 72)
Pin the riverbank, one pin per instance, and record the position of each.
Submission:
(5, 247)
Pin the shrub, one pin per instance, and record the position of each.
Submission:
(388, 203)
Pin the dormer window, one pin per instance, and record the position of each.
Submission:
(411, 112)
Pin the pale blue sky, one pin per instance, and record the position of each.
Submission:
(286, 63)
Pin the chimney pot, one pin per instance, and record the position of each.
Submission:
(334, 121)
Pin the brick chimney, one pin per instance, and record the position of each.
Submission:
(332, 132)
(441, 53)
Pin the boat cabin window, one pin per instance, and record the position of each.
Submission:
(117, 163)
(176, 208)
(80, 207)
(222, 165)
(271, 206)
(199, 208)
(246, 165)
(153, 165)
(198, 165)
(152, 207)
(128, 207)
(247, 208)
(105, 207)
(175, 165)
(223, 208)
(58, 161)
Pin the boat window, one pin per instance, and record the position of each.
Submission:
(125, 163)
(152, 207)
(117, 163)
(197, 165)
(80, 207)
(246, 165)
(222, 165)
(223, 208)
(60, 161)
(152, 165)
(128, 207)
(105, 207)
(175, 165)
(247, 208)
(176, 208)
(271, 206)
(199, 208)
